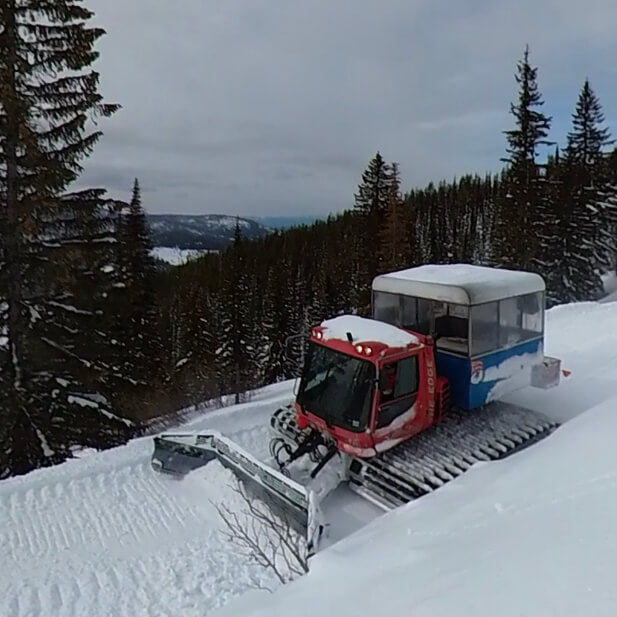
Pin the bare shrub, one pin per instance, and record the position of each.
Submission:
(267, 540)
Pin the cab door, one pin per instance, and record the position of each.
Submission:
(397, 396)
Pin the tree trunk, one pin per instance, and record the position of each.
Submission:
(12, 240)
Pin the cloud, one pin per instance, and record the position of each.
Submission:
(275, 106)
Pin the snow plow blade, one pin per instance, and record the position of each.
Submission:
(293, 503)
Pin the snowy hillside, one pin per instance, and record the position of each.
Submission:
(532, 535)
(200, 232)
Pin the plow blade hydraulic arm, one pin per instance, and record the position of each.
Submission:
(293, 503)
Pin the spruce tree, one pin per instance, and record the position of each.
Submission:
(522, 211)
(587, 205)
(137, 365)
(52, 274)
(395, 244)
(370, 206)
(234, 347)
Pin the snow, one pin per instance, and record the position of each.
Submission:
(176, 256)
(86, 402)
(80, 400)
(69, 307)
(512, 373)
(459, 283)
(609, 280)
(532, 535)
(105, 535)
(366, 331)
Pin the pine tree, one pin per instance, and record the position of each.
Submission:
(53, 243)
(138, 348)
(395, 243)
(370, 206)
(522, 210)
(137, 273)
(584, 243)
(234, 349)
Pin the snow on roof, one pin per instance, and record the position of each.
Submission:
(365, 330)
(459, 283)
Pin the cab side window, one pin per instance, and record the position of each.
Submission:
(398, 385)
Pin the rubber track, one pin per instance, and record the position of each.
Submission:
(441, 453)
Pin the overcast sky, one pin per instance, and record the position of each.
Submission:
(274, 107)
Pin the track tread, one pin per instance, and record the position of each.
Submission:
(439, 454)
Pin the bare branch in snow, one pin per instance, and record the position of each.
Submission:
(264, 538)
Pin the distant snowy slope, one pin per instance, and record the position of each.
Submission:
(202, 232)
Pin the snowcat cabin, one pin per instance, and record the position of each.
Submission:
(487, 325)
(363, 384)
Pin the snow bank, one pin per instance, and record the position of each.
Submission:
(584, 336)
(366, 331)
(531, 535)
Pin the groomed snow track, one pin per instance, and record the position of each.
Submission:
(107, 536)
(439, 454)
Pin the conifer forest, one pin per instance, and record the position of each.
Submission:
(99, 346)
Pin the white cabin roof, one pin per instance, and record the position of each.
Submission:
(459, 283)
(366, 330)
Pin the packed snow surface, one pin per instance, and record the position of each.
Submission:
(104, 535)
(366, 331)
(107, 536)
(459, 283)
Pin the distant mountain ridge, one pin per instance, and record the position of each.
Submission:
(212, 232)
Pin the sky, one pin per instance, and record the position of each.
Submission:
(275, 107)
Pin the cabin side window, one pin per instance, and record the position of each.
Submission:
(510, 322)
(452, 327)
(386, 307)
(449, 323)
(409, 313)
(532, 314)
(520, 318)
(484, 328)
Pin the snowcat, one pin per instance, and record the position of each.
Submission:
(400, 404)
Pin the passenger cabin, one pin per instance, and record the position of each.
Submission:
(487, 325)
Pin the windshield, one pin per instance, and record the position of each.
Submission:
(337, 388)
